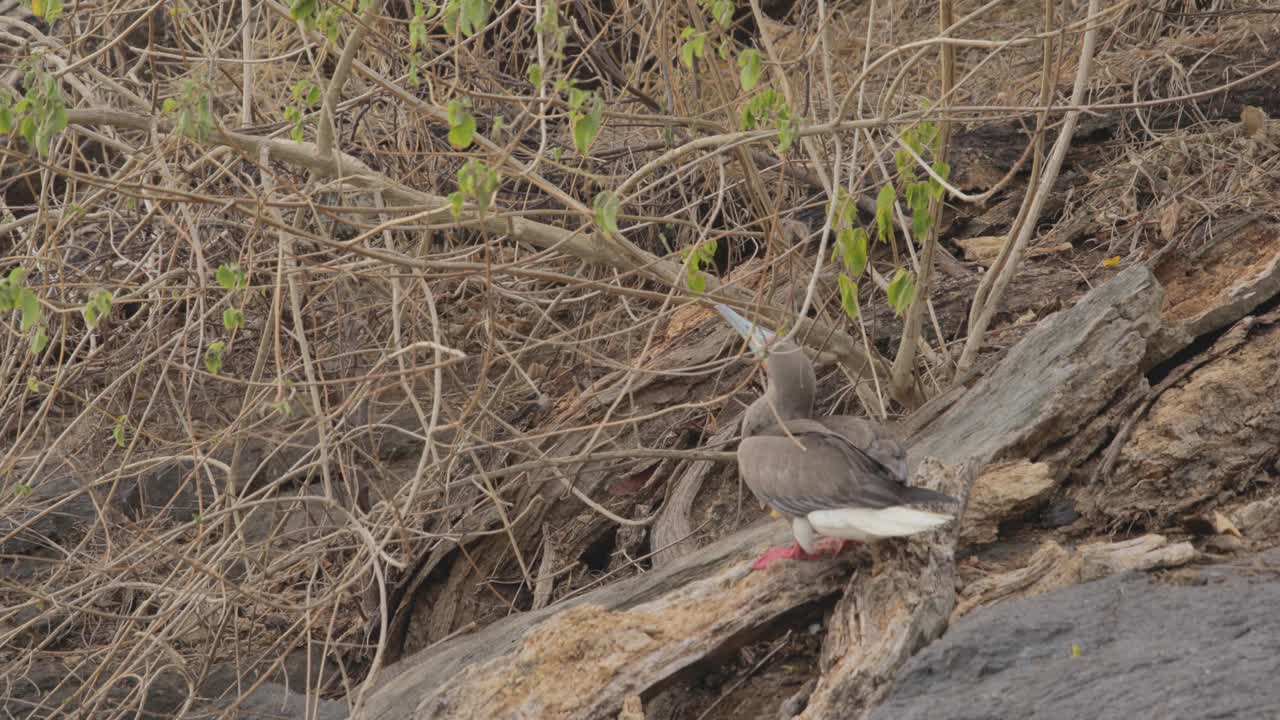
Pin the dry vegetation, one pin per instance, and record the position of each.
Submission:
(430, 419)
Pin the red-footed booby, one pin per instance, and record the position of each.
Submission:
(839, 477)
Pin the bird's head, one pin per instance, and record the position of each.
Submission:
(758, 338)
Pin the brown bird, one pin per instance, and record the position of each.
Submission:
(839, 477)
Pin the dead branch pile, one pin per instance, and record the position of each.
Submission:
(340, 329)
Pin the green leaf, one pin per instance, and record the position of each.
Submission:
(936, 188)
(29, 304)
(749, 69)
(929, 137)
(901, 291)
(473, 16)
(884, 212)
(918, 201)
(456, 199)
(921, 221)
(229, 276)
(302, 9)
(232, 319)
(694, 46)
(118, 432)
(606, 207)
(462, 125)
(534, 73)
(33, 385)
(788, 131)
(6, 117)
(918, 195)
(697, 281)
(39, 341)
(905, 163)
(329, 23)
(848, 296)
(98, 307)
(856, 258)
(586, 127)
(213, 356)
(476, 182)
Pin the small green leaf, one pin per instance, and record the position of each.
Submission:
(329, 23)
(302, 9)
(1076, 650)
(29, 305)
(534, 73)
(98, 307)
(749, 69)
(928, 137)
(856, 259)
(33, 385)
(53, 11)
(39, 341)
(462, 125)
(848, 296)
(231, 277)
(586, 126)
(722, 12)
(905, 163)
(694, 46)
(921, 221)
(22, 490)
(884, 212)
(697, 282)
(918, 195)
(456, 199)
(232, 319)
(944, 171)
(213, 356)
(901, 291)
(606, 207)
(118, 432)
(6, 117)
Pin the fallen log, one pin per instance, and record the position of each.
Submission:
(584, 657)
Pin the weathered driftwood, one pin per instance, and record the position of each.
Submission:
(583, 657)
(1058, 377)
(1002, 492)
(1052, 567)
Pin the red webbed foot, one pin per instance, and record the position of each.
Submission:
(772, 555)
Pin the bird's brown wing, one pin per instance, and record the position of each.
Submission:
(871, 438)
(830, 471)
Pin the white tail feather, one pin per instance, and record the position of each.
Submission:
(866, 524)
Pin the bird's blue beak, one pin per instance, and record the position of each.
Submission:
(757, 337)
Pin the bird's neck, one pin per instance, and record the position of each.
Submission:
(769, 409)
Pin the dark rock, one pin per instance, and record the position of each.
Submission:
(170, 490)
(55, 513)
(1123, 647)
(48, 688)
